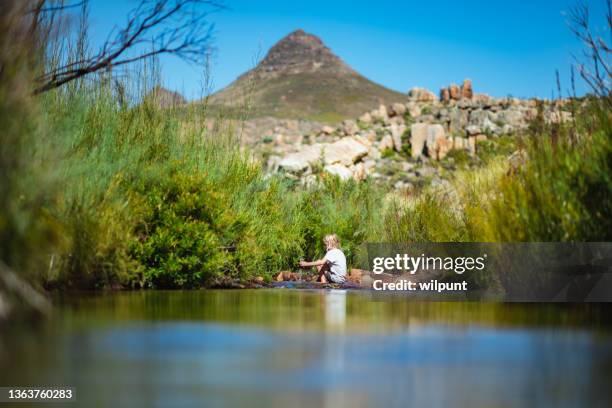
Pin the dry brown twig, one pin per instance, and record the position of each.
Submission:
(595, 66)
(154, 27)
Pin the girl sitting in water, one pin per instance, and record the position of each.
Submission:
(332, 268)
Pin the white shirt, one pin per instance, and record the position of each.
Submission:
(338, 264)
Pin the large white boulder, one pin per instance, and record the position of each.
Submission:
(366, 118)
(418, 137)
(345, 151)
(396, 133)
(386, 143)
(300, 161)
(437, 145)
(350, 127)
(380, 114)
(397, 109)
(338, 170)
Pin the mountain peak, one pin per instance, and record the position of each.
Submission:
(300, 77)
(301, 52)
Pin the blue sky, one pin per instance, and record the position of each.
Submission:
(505, 47)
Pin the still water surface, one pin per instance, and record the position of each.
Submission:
(281, 348)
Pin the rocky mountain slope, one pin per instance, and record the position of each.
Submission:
(302, 78)
(408, 144)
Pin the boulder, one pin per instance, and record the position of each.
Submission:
(310, 180)
(364, 140)
(418, 137)
(473, 130)
(397, 109)
(345, 151)
(327, 130)
(338, 170)
(369, 165)
(386, 143)
(557, 117)
(477, 117)
(414, 110)
(285, 276)
(426, 119)
(459, 143)
(369, 135)
(397, 120)
(459, 119)
(454, 91)
(359, 172)
(489, 126)
(512, 117)
(374, 153)
(349, 127)
(407, 166)
(507, 129)
(380, 114)
(514, 102)
(482, 100)
(365, 118)
(426, 171)
(396, 133)
(421, 95)
(299, 162)
(531, 114)
(466, 89)
(444, 95)
(436, 142)
(444, 147)
(273, 162)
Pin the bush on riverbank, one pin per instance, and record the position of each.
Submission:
(101, 187)
(146, 197)
(150, 201)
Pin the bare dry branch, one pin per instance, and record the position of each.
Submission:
(594, 67)
(154, 27)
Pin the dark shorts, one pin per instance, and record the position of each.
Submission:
(333, 278)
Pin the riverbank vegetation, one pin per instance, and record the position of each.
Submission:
(103, 188)
(556, 187)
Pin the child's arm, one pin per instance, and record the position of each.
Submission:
(319, 262)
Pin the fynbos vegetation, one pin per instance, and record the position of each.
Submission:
(100, 186)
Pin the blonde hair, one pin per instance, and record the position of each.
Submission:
(331, 241)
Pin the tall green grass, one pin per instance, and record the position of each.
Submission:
(560, 190)
(100, 187)
(139, 196)
(151, 197)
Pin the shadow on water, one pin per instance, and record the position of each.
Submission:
(331, 348)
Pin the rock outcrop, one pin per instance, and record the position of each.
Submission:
(455, 92)
(421, 95)
(398, 143)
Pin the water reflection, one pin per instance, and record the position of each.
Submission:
(333, 348)
(335, 309)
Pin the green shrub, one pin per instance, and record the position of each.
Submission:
(179, 240)
(387, 153)
(564, 190)
(460, 157)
